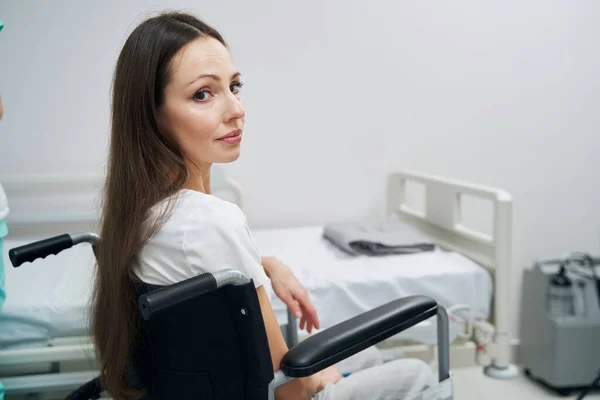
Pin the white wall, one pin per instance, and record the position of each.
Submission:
(340, 92)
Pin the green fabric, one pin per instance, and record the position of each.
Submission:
(3, 229)
(3, 233)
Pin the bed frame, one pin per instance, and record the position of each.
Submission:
(441, 218)
(68, 362)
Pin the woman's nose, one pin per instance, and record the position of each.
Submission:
(235, 109)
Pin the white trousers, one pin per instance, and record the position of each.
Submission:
(372, 379)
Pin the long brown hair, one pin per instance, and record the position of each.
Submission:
(145, 166)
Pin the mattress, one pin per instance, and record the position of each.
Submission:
(50, 297)
(342, 286)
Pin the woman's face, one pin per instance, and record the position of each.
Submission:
(202, 107)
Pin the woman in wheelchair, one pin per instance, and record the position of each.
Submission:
(176, 110)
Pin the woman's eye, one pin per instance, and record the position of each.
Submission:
(201, 95)
(236, 87)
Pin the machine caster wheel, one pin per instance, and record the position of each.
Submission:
(564, 392)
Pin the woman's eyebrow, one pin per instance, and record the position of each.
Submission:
(214, 77)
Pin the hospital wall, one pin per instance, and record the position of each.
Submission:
(339, 93)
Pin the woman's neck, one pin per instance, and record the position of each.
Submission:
(199, 179)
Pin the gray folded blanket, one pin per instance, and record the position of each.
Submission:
(378, 237)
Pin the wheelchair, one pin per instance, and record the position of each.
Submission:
(204, 337)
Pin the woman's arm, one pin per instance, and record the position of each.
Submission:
(289, 289)
(303, 388)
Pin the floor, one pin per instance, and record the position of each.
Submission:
(472, 384)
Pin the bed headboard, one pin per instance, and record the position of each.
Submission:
(441, 218)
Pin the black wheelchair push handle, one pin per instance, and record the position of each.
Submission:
(43, 248)
(32, 251)
(167, 296)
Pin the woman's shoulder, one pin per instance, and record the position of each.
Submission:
(202, 205)
(196, 210)
(201, 233)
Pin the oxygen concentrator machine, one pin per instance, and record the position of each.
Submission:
(560, 323)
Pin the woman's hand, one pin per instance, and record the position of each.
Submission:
(327, 376)
(287, 287)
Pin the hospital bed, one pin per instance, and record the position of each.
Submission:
(44, 324)
(174, 344)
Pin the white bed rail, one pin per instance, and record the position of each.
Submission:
(442, 220)
(70, 199)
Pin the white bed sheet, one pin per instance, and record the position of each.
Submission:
(342, 286)
(50, 297)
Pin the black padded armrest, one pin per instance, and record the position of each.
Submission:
(356, 334)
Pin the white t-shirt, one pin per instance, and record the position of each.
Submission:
(3, 204)
(203, 234)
